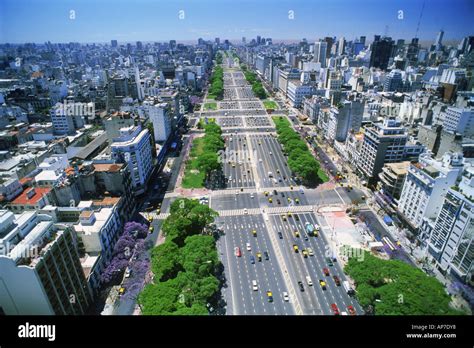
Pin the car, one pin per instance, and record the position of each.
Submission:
(329, 261)
(275, 192)
(269, 296)
(128, 272)
(297, 218)
(259, 257)
(305, 253)
(297, 234)
(266, 193)
(150, 218)
(289, 214)
(283, 216)
(270, 153)
(270, 200)
(260, 160)
(278, 201)
(237, 251)
(249, 248)
(278, 171)
(252, 259)
(309, 281)
(280, 235)
(267, 257)
(245, 211)
(300, 284)
(323, 284)
(344, 313)
(310, 251)
(233, 165)
(291, 187)
(326, 271)
(289, 200)
(283, 194)
(305, 236)
(251, 195)
(295, 248)
(351, 310)
(286, 298)
(297, 201)
(158, 211)
(336, 280)
(254, 285)
(334, 308)
(254, 233)
(121, 291)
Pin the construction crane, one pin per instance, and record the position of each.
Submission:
(419, 20)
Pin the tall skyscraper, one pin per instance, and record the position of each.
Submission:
(330, 42)
(439, 39)
(139, 45)
(320, 49)
(381, 52)
(113, 43)
(362, 40)
(341, 46)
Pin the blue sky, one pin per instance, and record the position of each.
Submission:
(158, 20)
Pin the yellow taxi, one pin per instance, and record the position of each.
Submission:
(151, 228)
(295, 248)
(305, 253)
(283, 216)
(121, 290)
(254, 233)
(270, 200)
(297, 234)
(259, 256)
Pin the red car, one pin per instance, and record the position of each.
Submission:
(335, 309)
(238, 253)
(351, 310)
(326, 271)
(336, 280)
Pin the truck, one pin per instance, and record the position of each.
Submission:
(348, 288)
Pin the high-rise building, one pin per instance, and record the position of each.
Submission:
(41, 271)
(426, 185)
(133, 146)
(139, 45)
(113, 43)
(383, 143)
(244, 40)
(450, 239)
(67, 117)
(459, 120)
(330, 42)
(362, 40)
(381, 50)
(412, 51)
(160, 116)
(341, 46)
(393, 81)
(439, 39)
(320, 49)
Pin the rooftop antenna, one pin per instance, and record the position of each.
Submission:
(419, 20)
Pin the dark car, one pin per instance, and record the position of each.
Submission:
(275, 192)
(252, 260)
(300, 284)
(280, 235)
(266, 255)
(326, 271)
(297, 218)
(278, 201)
(336, 280)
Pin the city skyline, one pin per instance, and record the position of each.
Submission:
(193, 20)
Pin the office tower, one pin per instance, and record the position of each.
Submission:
(217, 40)
(320, 49)
(451, 237)
(438, 41)
(341, 46)
(426, 185)
(133, 147)
(459, 120)
(362, 40)
(139, 45)
(393, 81)
(412, 51)
(172, 44)
(40, 265)
(113, 43)
(259, 40)
(200, 41)
(330, 42)
(383, 143)
(381, 52)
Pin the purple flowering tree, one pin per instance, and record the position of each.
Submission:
(195, 100)
(111, 274)
(136, 229)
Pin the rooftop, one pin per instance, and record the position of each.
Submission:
(39, 192)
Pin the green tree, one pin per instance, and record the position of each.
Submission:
(165, 261)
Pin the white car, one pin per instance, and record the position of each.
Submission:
(310, 251)
(271, 153)
(251, 195)
(260, 160)
(128, 272)
(245, 211)
(254, 285)
(309, 281)
(249, 248)
(286, 298)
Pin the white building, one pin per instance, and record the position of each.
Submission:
(40, 267)
(133, 146)
(459, 120)
(426, 185)
(159, 114)
(450, 237)
(320, 49)
(297, 91)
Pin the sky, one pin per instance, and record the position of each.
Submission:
(162, 20)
